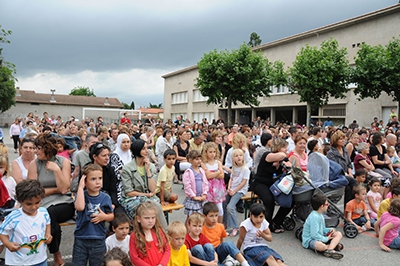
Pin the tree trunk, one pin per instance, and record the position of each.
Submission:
(308, 116)
(229, 103)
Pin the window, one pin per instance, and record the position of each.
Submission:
(198, 117)
(180, 97)
(197, 97)
(340, 110)
(278, 90)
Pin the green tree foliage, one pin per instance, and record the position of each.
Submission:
(125, 106)
(82, 91)
(7, 78)
(320, 73)
(229, 77)
(378, 70)
(157, 106)
(133, 105)
(255, 40)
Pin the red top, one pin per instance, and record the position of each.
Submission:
(190, 242)
(125, 120)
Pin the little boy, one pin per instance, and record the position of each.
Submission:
(120, 226)
(26, 231)
(356, 210)
(179, 254)
(165, 179)
(93, 209)
(361, 176)
(201, 251)
(215, 232)
(316, 236)
(391, 152)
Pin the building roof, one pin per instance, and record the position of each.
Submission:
(28, 96)
(151, 111)
(345, 23)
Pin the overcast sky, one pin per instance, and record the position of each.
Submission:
(121, 48)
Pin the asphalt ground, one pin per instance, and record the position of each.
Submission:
(361, 250)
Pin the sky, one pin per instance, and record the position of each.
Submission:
(121, 48)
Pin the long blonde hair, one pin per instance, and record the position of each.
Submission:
(159, 230)
(4, 161)
(207, 146)
(238, 151)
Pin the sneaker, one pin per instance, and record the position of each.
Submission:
(234, 232)
(229, 261)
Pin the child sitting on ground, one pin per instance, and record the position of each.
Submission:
(252, 232)
(179, 254)
(201, 251)
(165, 179)
(116, 257)
(356, 210)
(374, 198)
(215, 232)
(316, 236)
(28, 223)
(389, 227)
(361, 176)
(384, 206)
(120, 226)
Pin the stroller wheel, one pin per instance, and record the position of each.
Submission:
(289, 223)
(350, 230)
(299, 233)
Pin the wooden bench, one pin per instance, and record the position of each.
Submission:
(247, 200)
(169, 208)
(68, 223)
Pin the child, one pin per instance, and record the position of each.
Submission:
(316, 236)
(179, 253)
(384, 206)
(195, 184)
(390, 224)
(374, 198)
(26, 231)
(215, 232)
(201, 251)
(116, 257)
(361, 176)
(391, 152)
(148, 244)
(120, 226)
(215, 176)
(62, 149)
(356, 210)
(237, 188)
(252, 232)
(165, 179)
(93, 208)
(7, 201)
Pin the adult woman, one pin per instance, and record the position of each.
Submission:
(162, 145)
(53, 172)
(270, 164)
(181, 147)
(338, 153)
(216, 137)
(20, 165)
(15, 130)
(380, 159)
(299, 153)
(352, 145)
(238, 142)
(138, 181)
(100, 154)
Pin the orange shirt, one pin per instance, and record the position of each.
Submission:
(215, 234)
(356, 209)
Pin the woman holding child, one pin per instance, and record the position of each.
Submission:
(53, 172)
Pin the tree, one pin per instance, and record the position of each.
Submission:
(255, 40)
(82, 91)
(125, 106)
(229, 77)
(7, 79)
(156, 106)
(378, 70)
(318, 74)
(133, 105)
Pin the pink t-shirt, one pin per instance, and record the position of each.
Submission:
(392, 233)
(377, 198)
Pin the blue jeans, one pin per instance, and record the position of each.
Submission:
(361, 221)
(205, 252)
(44, 263)
(91, 250)
(225, 249)
(230, 207)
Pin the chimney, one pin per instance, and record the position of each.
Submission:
(18, 93)
(106, 101)
(52, 100)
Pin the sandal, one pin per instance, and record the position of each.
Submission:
(339, 247)
(329, 253)
(277, 229)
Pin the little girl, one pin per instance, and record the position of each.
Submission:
(148, 243)
(389, 227)
(8, 182)
(62, 149)
(215, 176)
(195, 185)
(116, 257)
(252, 232)
(237, 188)
(374, 198)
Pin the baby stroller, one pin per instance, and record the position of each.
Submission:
(324, 177)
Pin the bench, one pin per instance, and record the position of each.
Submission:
(247, 201)
(169, 208)
(68, 223)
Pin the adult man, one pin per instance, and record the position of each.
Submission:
(394, 123)
(293, 131)
(234, 130)
(125, 119)
(112, 142)
(353, 125)
(316, 134)
(328, 122)
(391, 141)
(197, 142)
(91, 128)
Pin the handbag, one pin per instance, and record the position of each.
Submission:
(283, 200)
(286, 184)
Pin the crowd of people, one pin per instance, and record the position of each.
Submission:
(123, 174)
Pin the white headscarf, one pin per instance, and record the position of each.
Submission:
(125, 156)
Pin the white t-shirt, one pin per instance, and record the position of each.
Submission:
(237, 176)
(251, 239)
(112, 242)
(27, 230)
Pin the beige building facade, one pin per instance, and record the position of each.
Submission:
(378, 27)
